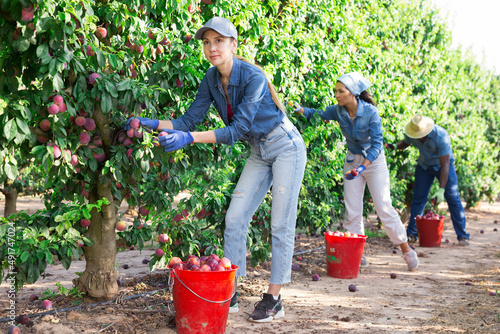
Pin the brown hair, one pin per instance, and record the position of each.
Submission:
(365, 96)
(270, 85)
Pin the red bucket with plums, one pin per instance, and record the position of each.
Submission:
(201, 289)
(343, 253)
(430, 229)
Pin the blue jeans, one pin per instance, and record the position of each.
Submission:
(423, 183)
(278, 160)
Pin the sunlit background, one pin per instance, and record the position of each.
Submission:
(475, 25)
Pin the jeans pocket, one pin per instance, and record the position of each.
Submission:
(275, 135)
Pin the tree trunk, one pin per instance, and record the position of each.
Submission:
(10, 198)
(100, 275)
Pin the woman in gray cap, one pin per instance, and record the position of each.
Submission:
(365, 162)
(249, 106)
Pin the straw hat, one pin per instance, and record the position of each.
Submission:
(419, 126)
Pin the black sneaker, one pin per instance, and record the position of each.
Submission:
(267, 309)
(233, 306)
(412, 238)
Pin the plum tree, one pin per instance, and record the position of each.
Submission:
(146, 65)
(71, 97)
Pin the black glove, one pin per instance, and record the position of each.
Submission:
(390, 146)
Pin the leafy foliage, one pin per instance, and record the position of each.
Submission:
(148, 65)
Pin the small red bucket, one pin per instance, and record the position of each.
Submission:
(430, 232)
(202, 299)
(343, 255)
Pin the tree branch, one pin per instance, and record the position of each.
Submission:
(102, 124)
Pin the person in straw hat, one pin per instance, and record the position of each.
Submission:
(434, 162)
(365, 164)
(251, 111)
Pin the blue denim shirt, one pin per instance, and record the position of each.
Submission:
(255, 113)
(437, 144)
(363, 135)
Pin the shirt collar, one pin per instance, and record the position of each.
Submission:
(234, 80)
(360, 110)
(433, 132)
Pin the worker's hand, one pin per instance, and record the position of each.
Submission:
(352, 174)
(149, 123)
(175, 140)
(296, 107)
(439, 195)
(391, 147)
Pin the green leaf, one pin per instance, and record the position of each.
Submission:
(113, 60)
(52, 66)
(10, 129)
(58, 82)
(101, 60)
(23, 45)
(11, 171)
(42, 265)
(72, 233)
(118, 175)
(123, 85)
(86, 213)
(24, 256)
(93, 165)
(111, 89)
(66, 262)
(33, 274)
(106, 103)
(145, 166)
(59, 228)
(45, 24)
(42, 50)
(21, 124)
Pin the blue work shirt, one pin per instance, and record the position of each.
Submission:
(437, 144)
(363, 135)
(255, 113)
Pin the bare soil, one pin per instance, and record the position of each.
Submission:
(451, 292)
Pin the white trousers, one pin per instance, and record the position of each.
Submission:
(376, 176)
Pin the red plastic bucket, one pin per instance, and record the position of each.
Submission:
(201, 300)
(430, 232)
(343, 255)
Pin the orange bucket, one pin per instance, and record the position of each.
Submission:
(430, 232)
(343, 255)
(202, 299)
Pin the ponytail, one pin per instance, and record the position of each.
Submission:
(365, 96)
(269, 84)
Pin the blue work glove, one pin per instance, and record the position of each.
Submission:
(439, 195)
(150, 123)
(351, 175)
(296, 107)
(175, 140)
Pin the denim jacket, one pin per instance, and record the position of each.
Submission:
(255, 113)
(363, 135)
(437, 144)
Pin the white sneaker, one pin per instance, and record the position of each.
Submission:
(411, 259)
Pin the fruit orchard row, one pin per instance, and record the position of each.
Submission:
(72, 72)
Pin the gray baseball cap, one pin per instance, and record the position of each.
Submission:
(220, 24)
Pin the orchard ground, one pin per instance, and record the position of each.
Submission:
(451, 292)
